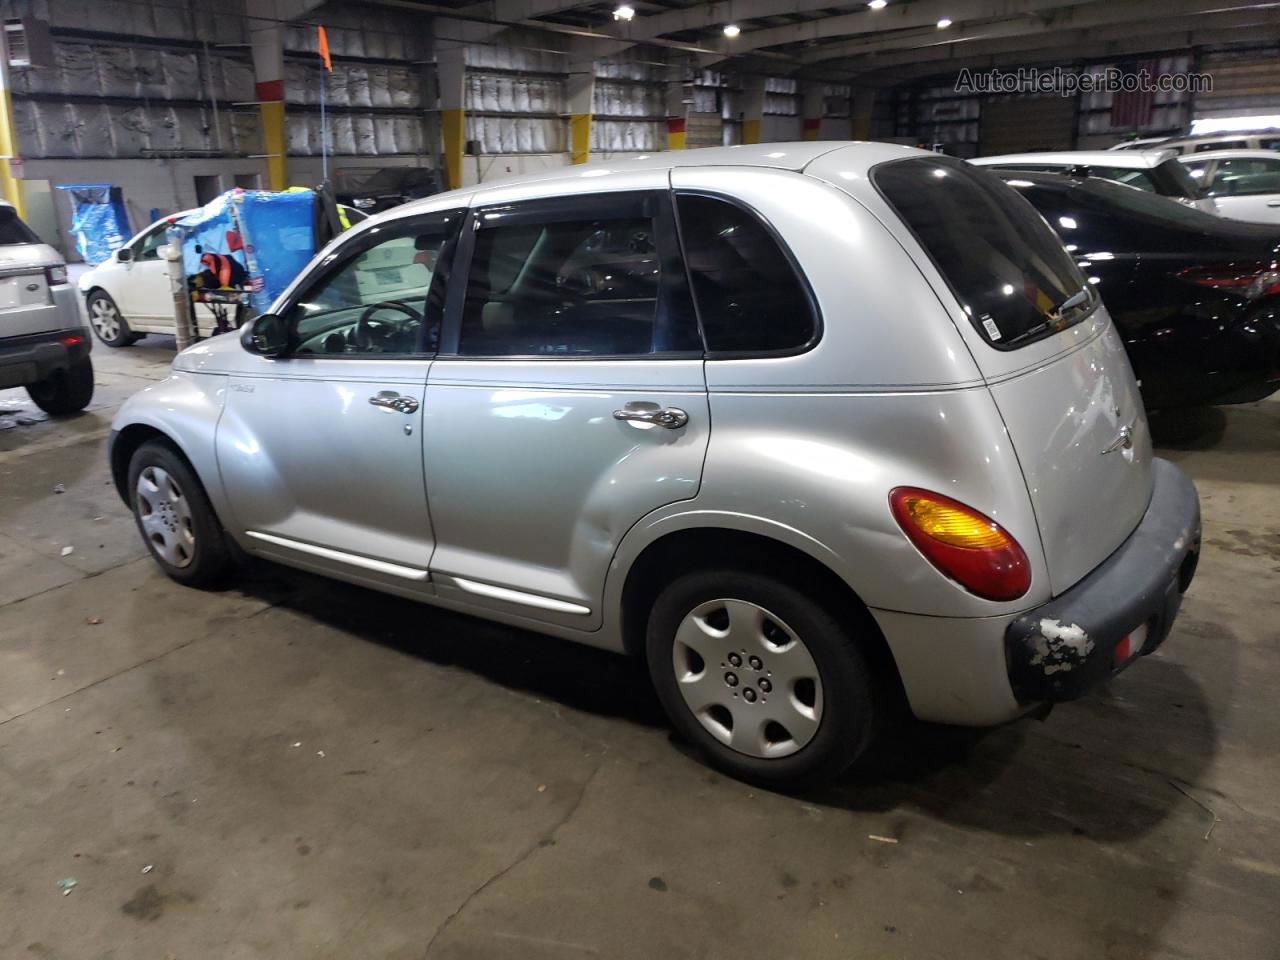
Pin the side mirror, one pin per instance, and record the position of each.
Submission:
(124, 255)
(267, 336)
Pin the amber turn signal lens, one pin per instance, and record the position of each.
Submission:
(970, 548)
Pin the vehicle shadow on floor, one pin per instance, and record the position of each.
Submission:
(577, 676)
(1025, 778)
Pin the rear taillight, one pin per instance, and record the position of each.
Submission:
(1250, 279)
(55, 275)
(970, 548)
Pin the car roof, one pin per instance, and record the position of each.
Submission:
(857, 156)
(1133, 159)
(1229, 154)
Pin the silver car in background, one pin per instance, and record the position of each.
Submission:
(44, 345)
(812, 428)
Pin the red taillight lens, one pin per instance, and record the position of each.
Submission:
(72, 340)
(1251, 280)
(970, 548)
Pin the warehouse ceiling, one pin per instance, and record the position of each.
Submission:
(899, 39)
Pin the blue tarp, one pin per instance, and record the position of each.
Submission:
(251, 238)
(99, 222)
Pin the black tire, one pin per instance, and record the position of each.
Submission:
(848, 702)
(107, 322)
(208, 559)
(67, 391)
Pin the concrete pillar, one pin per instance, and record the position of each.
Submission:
(753, 107)
(813, 99)
(582, 90)
(451, 81)
(266, 40)
(679, 101)
(861, 104)
(10, 161)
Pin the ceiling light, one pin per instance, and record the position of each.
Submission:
(732, 30)
(624, 12)
(944, 23)
(877, 4)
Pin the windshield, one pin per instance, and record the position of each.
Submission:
(1009, 270)
(13, 230)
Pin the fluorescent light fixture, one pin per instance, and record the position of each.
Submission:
(944, 23)
(1235, 124)
(624, 12)
(877, 4)
(732, 30)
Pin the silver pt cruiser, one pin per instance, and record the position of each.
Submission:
(810, 427)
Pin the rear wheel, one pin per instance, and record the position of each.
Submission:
(107, 321)
(764, 680)
(175, 517)
(67, 391)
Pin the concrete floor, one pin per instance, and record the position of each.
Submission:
(298, 768)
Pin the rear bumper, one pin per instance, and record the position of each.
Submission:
(37, 356)
(1060, 650)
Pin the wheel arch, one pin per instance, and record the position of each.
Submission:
(687, 548)
(125, 444)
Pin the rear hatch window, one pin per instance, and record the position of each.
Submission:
(13, 230)
(1008, 269)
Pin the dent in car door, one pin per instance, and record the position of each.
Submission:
(574, 402)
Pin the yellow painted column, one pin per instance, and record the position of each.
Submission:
(582, 90)
(453, 125)
(266, 44)
(580, 137)
(451, 86)
(679, 98)
(275, 143)
(9, 183)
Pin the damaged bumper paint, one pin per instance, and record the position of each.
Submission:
(1123, 609)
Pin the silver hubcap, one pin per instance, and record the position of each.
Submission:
(105, 319)
(165, 515)
(748, 678)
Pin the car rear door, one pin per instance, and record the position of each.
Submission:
(1057, 371)
(568, 400)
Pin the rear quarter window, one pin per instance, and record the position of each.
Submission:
(13, 230)
(1008, 269)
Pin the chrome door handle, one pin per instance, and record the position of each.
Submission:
(1273, 203)
(673, 418)
(390, 400)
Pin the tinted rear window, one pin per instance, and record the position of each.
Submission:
(1009, 271)
(13, 230)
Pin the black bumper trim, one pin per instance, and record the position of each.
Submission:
(34, 357)
(1060, 650)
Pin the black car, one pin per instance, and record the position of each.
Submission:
(1196, 297)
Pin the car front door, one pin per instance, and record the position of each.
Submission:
(1248, 188)
(142, 288)
(321, 450)
(568, 400)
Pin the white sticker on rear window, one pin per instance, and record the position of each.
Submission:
(989, 325)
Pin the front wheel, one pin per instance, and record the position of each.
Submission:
(175, 517)
(107, 321)
(67, 391)
(764, 680)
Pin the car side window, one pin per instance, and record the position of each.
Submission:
(149, 247)
(382, 297)
(749, 296)
(576, 277)
(1246, 176)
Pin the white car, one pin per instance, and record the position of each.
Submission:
(1156, 171)
(128, 295)
(1244, 183)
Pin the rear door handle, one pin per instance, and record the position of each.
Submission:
(390, 400)
(642, 411)
(1273, 203)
